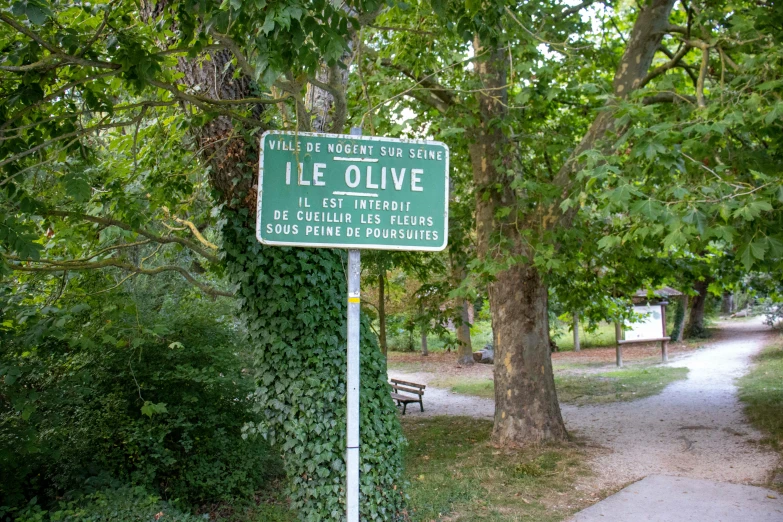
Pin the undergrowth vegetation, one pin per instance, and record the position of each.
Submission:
(134, 394)
(762, 392)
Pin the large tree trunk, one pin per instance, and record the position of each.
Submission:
(382, 312)
(727, 303)
(464, 344)
(526, 407)
(695, 326)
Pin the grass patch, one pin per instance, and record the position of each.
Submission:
(455, 473)
(762, 392)
(476, 386)
(601, 337)
(620, 385)
(592, 388)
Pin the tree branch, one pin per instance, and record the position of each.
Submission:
(194, 98)
(402, 29)
(59, 92)
(668, 97)
(109, 222)
(658, 71)
(60, 266)
(575, 9)
(192, 228)
(443, 98)
(236, 50)
(80, 132)
(705, 60)
(677, 29)
(67, 58)
(688, 68)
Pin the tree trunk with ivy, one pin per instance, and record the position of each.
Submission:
(292, 301)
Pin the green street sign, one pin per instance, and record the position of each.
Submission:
(345, 191)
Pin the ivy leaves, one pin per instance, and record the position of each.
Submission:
(293, 302)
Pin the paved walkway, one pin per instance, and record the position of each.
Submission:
(678, 499)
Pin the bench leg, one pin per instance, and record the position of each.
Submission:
(404, 407)
(421, 403)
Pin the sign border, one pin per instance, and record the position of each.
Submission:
(351, 245)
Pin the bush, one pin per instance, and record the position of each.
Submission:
(124, 504)
(148, 392)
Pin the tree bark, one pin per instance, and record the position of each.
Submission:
(645, 40)
(679, 318)
(695, 326)
(577, 346)
(526, 407)
(424, 327)
(465, 349)
(382, 312)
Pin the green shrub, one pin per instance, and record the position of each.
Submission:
(98, 392)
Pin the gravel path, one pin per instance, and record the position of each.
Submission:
(694, 428)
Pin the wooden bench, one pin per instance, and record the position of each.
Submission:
(415, 391)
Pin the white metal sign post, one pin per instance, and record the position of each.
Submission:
(352, 424)
(338, 191)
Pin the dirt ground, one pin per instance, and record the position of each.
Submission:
(694, 428)
(442, 363)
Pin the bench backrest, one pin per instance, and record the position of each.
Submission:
(415, 391)
(406, 383)
(409, 387)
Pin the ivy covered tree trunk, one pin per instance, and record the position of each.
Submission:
(292, 301)
(294, 306)
(695, 326)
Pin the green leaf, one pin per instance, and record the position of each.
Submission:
(149, 408)
(35, 10)
(758, 249)
(747, 258)
(608, 242)
(77, 186)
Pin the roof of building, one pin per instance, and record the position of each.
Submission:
(665, 291)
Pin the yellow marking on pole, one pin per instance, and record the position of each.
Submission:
(354, 300)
